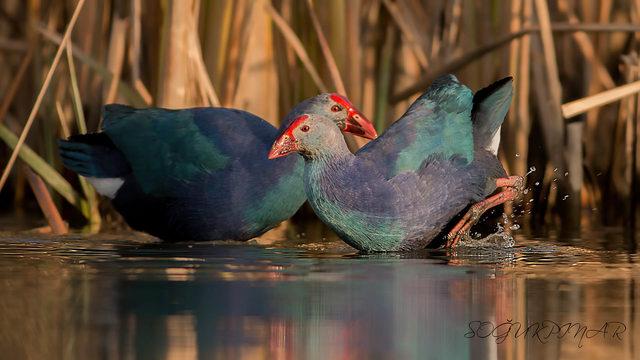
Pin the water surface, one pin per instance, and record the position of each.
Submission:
(118, 296)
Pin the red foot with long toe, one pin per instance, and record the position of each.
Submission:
(512, 188)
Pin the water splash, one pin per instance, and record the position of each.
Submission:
(499, 239)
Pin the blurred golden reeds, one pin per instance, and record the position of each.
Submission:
(572, 127)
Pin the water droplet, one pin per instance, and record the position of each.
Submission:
(555, 170)
(556, 179)
(525, 191)
(565, 197)
(514, 227)
(531, 200)
(531, 169)
(537, 183)
(517, 155)
(566, 173)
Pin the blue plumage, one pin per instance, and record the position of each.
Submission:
(196, 174)
(402, 189)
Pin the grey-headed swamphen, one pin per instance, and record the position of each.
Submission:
(200, 173)
(399, 191)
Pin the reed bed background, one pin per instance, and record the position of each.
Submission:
(572, 126)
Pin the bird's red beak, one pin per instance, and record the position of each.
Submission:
(356, 123)
(286, 143)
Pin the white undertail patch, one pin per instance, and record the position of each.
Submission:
(106, 186)
(495, 142)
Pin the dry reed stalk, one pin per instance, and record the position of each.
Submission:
(258, 71)
(91, 212)
(246, 28)
(224, 36)
(233, 54)
(510, 125)
(125, 91)
(551, 125)
(633, 183)
(184, 80)
(326, 51)
(115, 56)
(461, 60)
(624, 165)
(574, 171)
(580, 106)
(403, 25)
(296, 45)
(586, 47)
(594, 27)
(372, 18)
(40, 97)
(135, 43)
(204, 81)
(353, 142)
(75, 92)
(523, 81)
(604, 16)
(42, 168)
(64, 124)
(435, 41)
(453, 26)
(286, 69)
(549, 51)
(175, 77)
(354, 50)
(384, 77)
(453, 64)
(564, 158)
(420, 18)
(43, 197)
(514, 26)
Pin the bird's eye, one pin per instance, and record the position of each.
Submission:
(304, 128)
(336, 108)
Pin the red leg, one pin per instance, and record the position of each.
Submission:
(513, 187)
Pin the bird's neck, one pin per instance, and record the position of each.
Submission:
(325, 172)
(332, 156)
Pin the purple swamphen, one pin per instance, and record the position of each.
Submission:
(200, 173)
(399, 191)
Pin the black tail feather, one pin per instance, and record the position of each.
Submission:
(93, 155)
(490, 106)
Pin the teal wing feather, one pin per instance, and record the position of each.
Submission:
(438, 122)
(163, 147)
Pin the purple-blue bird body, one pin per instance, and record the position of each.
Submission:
(199, 173)
(401, 190)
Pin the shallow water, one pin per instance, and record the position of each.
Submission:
(122, 297)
